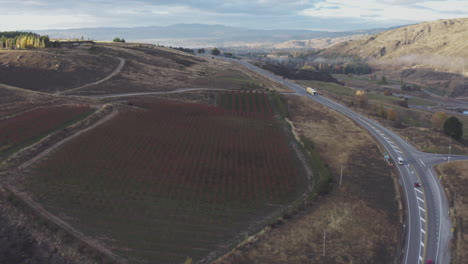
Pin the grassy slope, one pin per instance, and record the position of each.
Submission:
(454, 177)
(444, 38)
(151, 68)
(50, 70)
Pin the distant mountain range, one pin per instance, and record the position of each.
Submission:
(199, 35)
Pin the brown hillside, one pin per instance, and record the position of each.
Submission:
(440, 45)
(52, 70)
(318, 43)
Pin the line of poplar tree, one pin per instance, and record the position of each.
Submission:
(23, 40)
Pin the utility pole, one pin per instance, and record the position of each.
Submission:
(450, 147)
(324, 240)
(341, 176)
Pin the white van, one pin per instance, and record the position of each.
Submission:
(400, 160)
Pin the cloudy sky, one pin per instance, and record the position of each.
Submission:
(334, 15)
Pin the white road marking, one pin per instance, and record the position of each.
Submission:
(422, 230)
(419, 191)
(422, 162)
(422, 244)
(420, 258)
(420, 199)
(440, 217)
(422, 219)
(422, 209)
(397, 151)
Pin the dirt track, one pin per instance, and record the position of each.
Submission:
(58, 144)
(115, 72)
(56, 220)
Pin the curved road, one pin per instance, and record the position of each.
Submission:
(428, 226)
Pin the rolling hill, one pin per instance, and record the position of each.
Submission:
(431, 54)
(318, 43)
(440, 44)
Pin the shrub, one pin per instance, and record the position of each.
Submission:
(391, 114)
(453, 127)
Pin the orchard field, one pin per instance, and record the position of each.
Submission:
(28, 127)
(170, 180)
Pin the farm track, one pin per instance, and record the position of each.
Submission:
(108, 77)
(54, 219)
(45, 140)
(58, 144)
(64, 225)
(181, 90)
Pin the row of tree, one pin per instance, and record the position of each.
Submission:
(23, 40)
(116, 39)
(187, 50)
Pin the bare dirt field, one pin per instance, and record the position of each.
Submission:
(362, 219)
(454, 178)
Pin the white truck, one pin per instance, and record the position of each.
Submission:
(311, 91)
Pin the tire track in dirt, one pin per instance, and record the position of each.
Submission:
(58, 144)
(115, 72)
(64, 225)
(23, 196)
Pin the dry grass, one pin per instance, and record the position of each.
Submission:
(361, 218)
(431, 53)
(455, 179)
(51, 70)
(430, 140)
(435, 43)
(152, 68)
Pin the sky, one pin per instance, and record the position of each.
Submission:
(329, 15)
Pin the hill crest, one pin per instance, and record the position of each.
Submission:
(440, 45)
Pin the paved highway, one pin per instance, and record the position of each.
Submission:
(428, 226)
